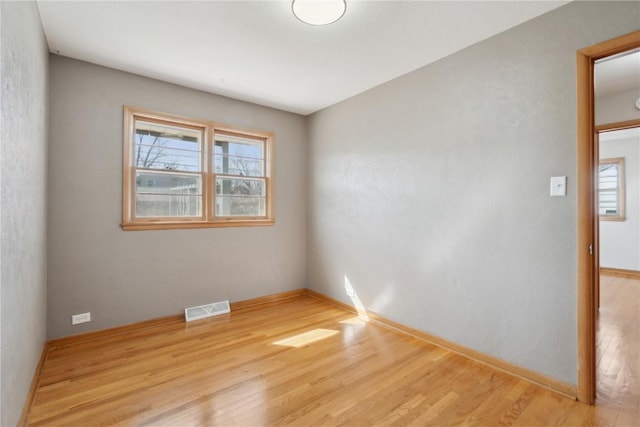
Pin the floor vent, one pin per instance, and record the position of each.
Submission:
(207, 310)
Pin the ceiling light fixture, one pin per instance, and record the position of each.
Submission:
(318, 12)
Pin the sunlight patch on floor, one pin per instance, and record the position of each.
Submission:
(354, 321)
(305, 338)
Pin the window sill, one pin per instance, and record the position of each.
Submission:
(196, 224)
(612, 218)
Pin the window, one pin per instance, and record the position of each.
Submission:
(183, 173)
(611, 189)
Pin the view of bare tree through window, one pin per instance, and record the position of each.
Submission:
(168, 182)
(240, 183)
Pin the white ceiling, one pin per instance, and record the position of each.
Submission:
(259, 52)
(617, 74)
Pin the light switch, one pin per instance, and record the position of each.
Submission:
(558, 185)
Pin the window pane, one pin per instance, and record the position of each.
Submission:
(249, 187)
(240, 197)
(608, 186)
(168, 183)
(164, 205)
(239, 156)
(240, 206)
(167, 147)
(167, 194)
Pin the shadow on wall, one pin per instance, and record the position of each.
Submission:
(456, 238)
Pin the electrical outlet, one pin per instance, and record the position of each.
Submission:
(80, 318)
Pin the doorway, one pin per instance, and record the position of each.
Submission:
(588, 224)
(618, 294)
(619, 197)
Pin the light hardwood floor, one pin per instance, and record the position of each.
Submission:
(296, 362)
(618, 349)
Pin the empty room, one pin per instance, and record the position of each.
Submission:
(319, 212)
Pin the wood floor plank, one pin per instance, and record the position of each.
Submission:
(618, 351)
(303, 362)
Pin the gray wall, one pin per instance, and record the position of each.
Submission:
(23, 170)
(123, 277)
(430, 194)
(620, 240)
